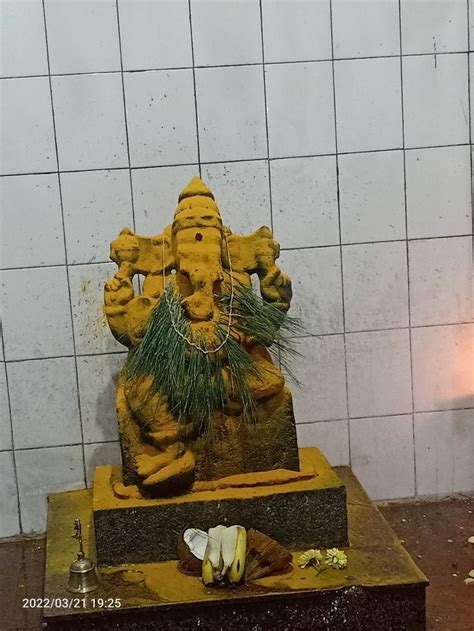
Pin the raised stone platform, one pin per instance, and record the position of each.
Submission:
(380, 590)
(146, 530)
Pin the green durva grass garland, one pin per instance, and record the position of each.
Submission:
(193, 381)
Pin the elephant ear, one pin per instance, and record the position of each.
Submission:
(156, 253)
(164, 251)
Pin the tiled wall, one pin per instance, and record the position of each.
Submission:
(344, 125)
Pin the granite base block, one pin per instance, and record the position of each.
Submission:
(348, 609)
(145, 530)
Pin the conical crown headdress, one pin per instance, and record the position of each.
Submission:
(195, 197)
(194, 188)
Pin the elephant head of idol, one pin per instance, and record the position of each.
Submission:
(197, 240)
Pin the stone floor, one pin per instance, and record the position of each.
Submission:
(434, 532)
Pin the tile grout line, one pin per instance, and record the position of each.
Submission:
(210, 67)
(315, 422)
(338, 192)
(410, 346)
(376, 416)
(238, 160)
(469, 100)
(265, 106)
(291, 249)
(36, 448)
(365, 331)
(73, 335)
(12, 438)
(198, 141)
(300, 337)
(356, 243)
(125, 114)
(52, 357)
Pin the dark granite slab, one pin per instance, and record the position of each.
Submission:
(144, 531)
(350, 609)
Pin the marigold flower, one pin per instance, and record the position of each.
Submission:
(310, 557)
(336, 558)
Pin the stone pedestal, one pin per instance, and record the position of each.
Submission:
(146, 530)
(380, 590)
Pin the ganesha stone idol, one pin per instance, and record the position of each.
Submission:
(200, 397)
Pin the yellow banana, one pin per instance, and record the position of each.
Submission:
(207, 569)
(214, 544)
(228, 547)
(237, 567)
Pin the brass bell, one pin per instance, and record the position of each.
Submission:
(82, 574)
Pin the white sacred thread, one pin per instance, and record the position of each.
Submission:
(206, 351)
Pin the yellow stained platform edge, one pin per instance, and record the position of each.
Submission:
(316, 473)
(376, 558)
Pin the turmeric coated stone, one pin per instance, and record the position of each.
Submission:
(195, 276)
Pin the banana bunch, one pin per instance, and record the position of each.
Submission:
(225, 555)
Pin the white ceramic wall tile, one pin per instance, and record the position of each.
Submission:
(365, 28)
(90, 121)
(317, 293)
(91, 330)
(438, 191)
(441, 287)
(82, 36)
(330, 437)
(372, 197)
(27, 127)
(149, 34)
(444, 444)
(296, 30)
(226, 32)
(304, 201)
(378, 373)
(52, 418)
(25, 18)
(321, 372)
(436, 107)
(231, 113)
(9, 522)
(161, 117)
(433, 27)
(36, 313)
(99, 454)
(5, 429)
(368, 104)
(294, 129)
(32, 230)
(471, 86)
(471, 24)
(375, 286)
(97, 205)
(443, 375)
(155, 195)
(382, 455)
(97, 387)
(242, 193)
(45, 471)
